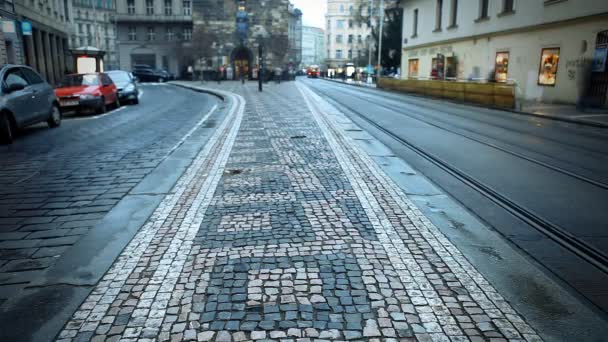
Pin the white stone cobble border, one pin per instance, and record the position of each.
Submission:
(213, 157)
(346, 151)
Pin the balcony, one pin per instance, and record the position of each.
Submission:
(156, 18)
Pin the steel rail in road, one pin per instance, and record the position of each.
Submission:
(551, 230)
(516, 154)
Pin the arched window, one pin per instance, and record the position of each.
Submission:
(341, 8)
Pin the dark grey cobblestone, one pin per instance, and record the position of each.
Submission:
(286, 231)
(52, 193)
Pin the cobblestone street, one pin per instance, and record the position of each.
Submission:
(283, 229)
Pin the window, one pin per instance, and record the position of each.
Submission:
(151, 34)
(339, 38)
(150, 7)
(80, 28)
(438, 14)
(415, 23)
(168, 7)
(350, 54)
(338, 53)
(501, 67)
(350, 38)
(187, 34)
(169, 34)
(507, 6)
(454, 13)
(131, 7)
(32, 76)
(132, 33)
(107, 43)
(187, 7)
(350, 24)
(359, 40)
(412, 67)
(351, 10)
(483, 9)
(15, 77)
(341, 8)
(340, 24)
(547, 74)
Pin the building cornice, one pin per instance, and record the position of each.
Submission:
(527, 28)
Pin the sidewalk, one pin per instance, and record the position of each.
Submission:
(283, 229)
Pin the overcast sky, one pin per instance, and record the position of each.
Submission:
(313, 11)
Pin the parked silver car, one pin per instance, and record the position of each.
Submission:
(25, 99)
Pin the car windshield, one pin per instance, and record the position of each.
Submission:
(119, 77)
(78, 80)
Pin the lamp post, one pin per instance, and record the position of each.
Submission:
(261, 65)
(381, 19)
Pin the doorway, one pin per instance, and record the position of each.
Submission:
(599, 72)
(241, 60)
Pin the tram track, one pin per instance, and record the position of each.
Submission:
(553, 231)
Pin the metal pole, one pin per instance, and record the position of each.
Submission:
(260, 67)
(381, 19)
(369, 53)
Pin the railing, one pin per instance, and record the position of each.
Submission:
(487, 93)
(153, 18)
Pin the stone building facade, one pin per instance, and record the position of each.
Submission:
(313, 46)
(348, 37)
(45, 47)
(95, 27)
(227, 33)
(156, 33)
(11, 45)
(295, 37)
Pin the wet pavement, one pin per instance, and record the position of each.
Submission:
(283, 229)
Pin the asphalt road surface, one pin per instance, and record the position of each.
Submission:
(55, 184)
(553, 171)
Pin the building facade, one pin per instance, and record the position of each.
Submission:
(11, 46)
(227, 33)
(157, 33)
(551, 50)
(44, 28)
(313, 46)
(295, 37)
(348, 34)
(95, 26)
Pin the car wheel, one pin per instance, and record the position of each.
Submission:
(117, 103)
(135, 101)
(102, 108)
(6, 129)
(54, 119)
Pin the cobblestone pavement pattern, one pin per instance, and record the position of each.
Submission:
(56, 185)
(287, 231)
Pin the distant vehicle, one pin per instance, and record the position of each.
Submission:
(169, 76)
(313, 71)
(150, 75)
(126, 85)
(87, 91)
(25, 99)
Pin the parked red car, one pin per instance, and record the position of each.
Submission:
(87, 91)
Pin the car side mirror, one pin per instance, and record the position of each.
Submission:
(13, 87)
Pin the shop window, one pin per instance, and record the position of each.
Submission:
(450, 67)
(501, 69)
(549, 59)
(412, 67)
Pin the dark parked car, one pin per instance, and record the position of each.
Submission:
(149, 75)
(127, 87)
(25, 99)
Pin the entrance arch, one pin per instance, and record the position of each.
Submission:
(241, 58)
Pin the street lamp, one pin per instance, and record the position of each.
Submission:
(381, 19)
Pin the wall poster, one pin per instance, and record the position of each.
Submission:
(549, 59)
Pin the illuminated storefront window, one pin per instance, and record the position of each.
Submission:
(547, 74)
(501, 68)
(413, 67)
